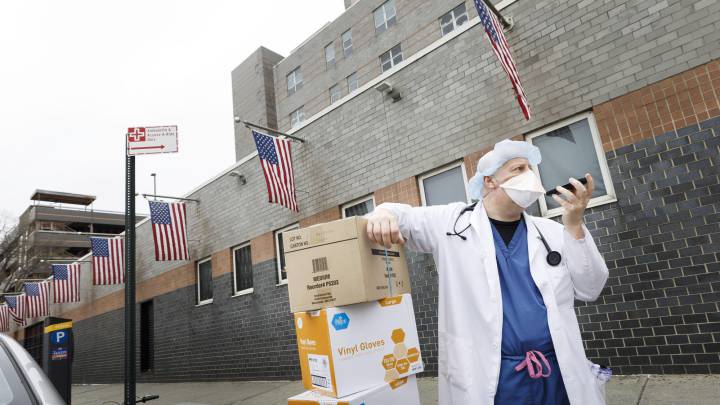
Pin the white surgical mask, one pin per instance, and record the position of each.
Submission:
(524, 189)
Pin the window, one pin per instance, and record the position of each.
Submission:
(358, 207)
(294, 81)
(347, 43)
(242, 270)
(330, 56)
(391, 58)
(384, 16)
(204, 282)
(280, 253)
(570, 149)
(352, 82)
(444, 186)
(453, 19)
(334, 93)
(147, 336)
(296, 117)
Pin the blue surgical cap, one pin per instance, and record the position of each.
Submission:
(493, 160)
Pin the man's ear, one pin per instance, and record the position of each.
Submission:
(488, 183)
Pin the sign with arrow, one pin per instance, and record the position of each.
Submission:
(148, 140)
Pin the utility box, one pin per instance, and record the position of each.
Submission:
(58, 354)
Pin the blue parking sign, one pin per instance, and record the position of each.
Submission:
(59, 337)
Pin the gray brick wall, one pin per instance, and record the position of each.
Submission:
(253, 96)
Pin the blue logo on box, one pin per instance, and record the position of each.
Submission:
(341, 321)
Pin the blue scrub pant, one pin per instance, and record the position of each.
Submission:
(517, 388)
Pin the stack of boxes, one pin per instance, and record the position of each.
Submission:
(354, 319)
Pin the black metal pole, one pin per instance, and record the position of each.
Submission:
(130, 280)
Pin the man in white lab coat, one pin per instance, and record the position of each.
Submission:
(508, 333)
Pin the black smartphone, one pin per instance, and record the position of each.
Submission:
(568, 187)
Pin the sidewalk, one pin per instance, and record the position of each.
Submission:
(622, 390)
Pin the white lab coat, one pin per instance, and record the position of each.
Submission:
(470, 313)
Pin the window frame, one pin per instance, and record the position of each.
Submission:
(610, 196)
(235, 291)
(392, 57)
(347, 51)
(329, 64)
(357, 201)
(278, 269)
(439, 170)
(300, 119)
(297, 85)
(197, 282)
(385, 24)
(339, 93)
(357, 83)
(453, 20)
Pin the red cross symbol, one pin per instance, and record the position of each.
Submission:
(136, 134)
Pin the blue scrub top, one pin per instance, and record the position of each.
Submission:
(525, 327)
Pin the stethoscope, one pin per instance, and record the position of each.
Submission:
(553, 257)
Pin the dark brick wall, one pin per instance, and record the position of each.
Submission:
(657, 314)
(245, 337)
(659, 310)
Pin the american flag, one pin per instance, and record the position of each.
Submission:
(16, 305)
(276, 161)
(4, 318)
(494, 31)
(66, 282)
(36, 299)
(169, 226)
(108, 258)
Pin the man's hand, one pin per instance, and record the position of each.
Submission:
(383, 229)
(574, 205)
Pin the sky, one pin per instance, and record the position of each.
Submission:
(74, 75)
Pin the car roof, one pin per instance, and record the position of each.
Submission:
(42, 387)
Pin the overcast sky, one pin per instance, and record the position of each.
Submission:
(74, 75)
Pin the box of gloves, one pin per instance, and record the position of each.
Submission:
(334, 264)
(345, 350)
(403, 391)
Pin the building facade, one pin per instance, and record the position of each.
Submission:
(626, 90)
(55, 228)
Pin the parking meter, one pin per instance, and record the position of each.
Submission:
(58, 354)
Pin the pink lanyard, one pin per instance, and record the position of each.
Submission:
(531, 361)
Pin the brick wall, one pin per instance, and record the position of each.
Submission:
(671, 104)
(659, 310)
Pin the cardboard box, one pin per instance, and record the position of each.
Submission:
(335, 264)
(398, 392)
(344, 350)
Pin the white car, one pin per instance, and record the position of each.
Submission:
(22, 381)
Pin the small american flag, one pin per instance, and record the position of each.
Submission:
(16, 305)
(66, 282)
(276, 161)
(169, 226)
(4, 318)
(108, 258)
(36, 299)
(494, 31)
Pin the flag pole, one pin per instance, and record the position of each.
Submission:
(172, 198)
(507, 23)
(250, 125)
